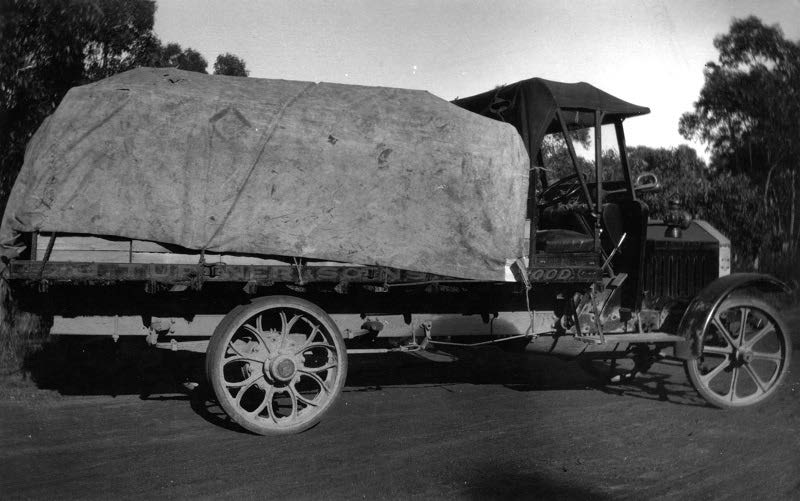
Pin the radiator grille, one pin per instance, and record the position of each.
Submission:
(678, 272)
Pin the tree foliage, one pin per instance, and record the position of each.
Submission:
(49, 46)
(724, 199)
(42, 47)
(172, 55)
(555, 154)
(120, 37)
(231, 65)
(681, 173)
(747, 113)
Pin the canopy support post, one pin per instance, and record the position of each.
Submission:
(598, 173)
(574, 159)
(623, 156)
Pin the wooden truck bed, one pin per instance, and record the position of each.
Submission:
(91, 259)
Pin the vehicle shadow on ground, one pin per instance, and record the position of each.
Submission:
(516, 371)
(100, 366)
(503, 480)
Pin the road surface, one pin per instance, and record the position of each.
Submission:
(493, 425)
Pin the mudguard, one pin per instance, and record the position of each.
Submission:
(697, 316)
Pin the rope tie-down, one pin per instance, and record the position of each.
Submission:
(269, 131)
(530, 333)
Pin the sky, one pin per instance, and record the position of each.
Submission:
(648, 52)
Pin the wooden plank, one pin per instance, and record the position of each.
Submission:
(83, 242)
(157, 257)
(97, 256)
(186, 274)
(85, 248)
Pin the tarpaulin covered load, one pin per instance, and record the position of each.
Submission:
(347, 173)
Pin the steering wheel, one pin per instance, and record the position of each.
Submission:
(562, 190)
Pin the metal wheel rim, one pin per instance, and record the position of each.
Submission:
(279, 368)
(745, 354)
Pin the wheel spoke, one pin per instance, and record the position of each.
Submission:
(293, 398)
(259, 323)
(317, 379)
(311, 346)
(257, 332)
(301, 398)
(244, 358)
(293, 414)
(743, 324)
(723, 331)
(775, 357)
(717, 350)
(247, 382)
(286, 327)
(734, 379)
(317, 370)
(706, 378)
(243, 390)
(264, 403)
(235, 349)
(755, 377)
(270, 410)
(315, 331)
(763, 332)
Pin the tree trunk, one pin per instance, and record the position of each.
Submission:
(769, 177)
(793, 215)
(105, 59)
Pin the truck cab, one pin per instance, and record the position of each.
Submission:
(584, 223)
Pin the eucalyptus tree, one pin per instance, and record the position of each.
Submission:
(747, 113)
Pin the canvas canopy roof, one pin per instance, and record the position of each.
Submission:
(366, 175)
(530, 106)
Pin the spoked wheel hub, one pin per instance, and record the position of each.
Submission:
(281, 368)
(746, 354)
(277, 364)
(742, 357)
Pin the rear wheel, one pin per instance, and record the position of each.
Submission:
(746, 354)
(277, 364)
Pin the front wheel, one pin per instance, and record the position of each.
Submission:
(745, 357)
(276, 364)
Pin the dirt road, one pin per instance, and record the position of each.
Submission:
(494, 425)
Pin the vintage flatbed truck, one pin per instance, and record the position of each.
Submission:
(281, 227)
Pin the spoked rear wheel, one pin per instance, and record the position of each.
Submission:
(276, 364)
(746, 354)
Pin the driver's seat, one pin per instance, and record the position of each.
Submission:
(563, 229)
(560, 240)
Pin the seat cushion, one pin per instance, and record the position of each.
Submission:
(558, 240)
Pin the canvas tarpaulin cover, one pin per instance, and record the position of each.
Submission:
(365, 175)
